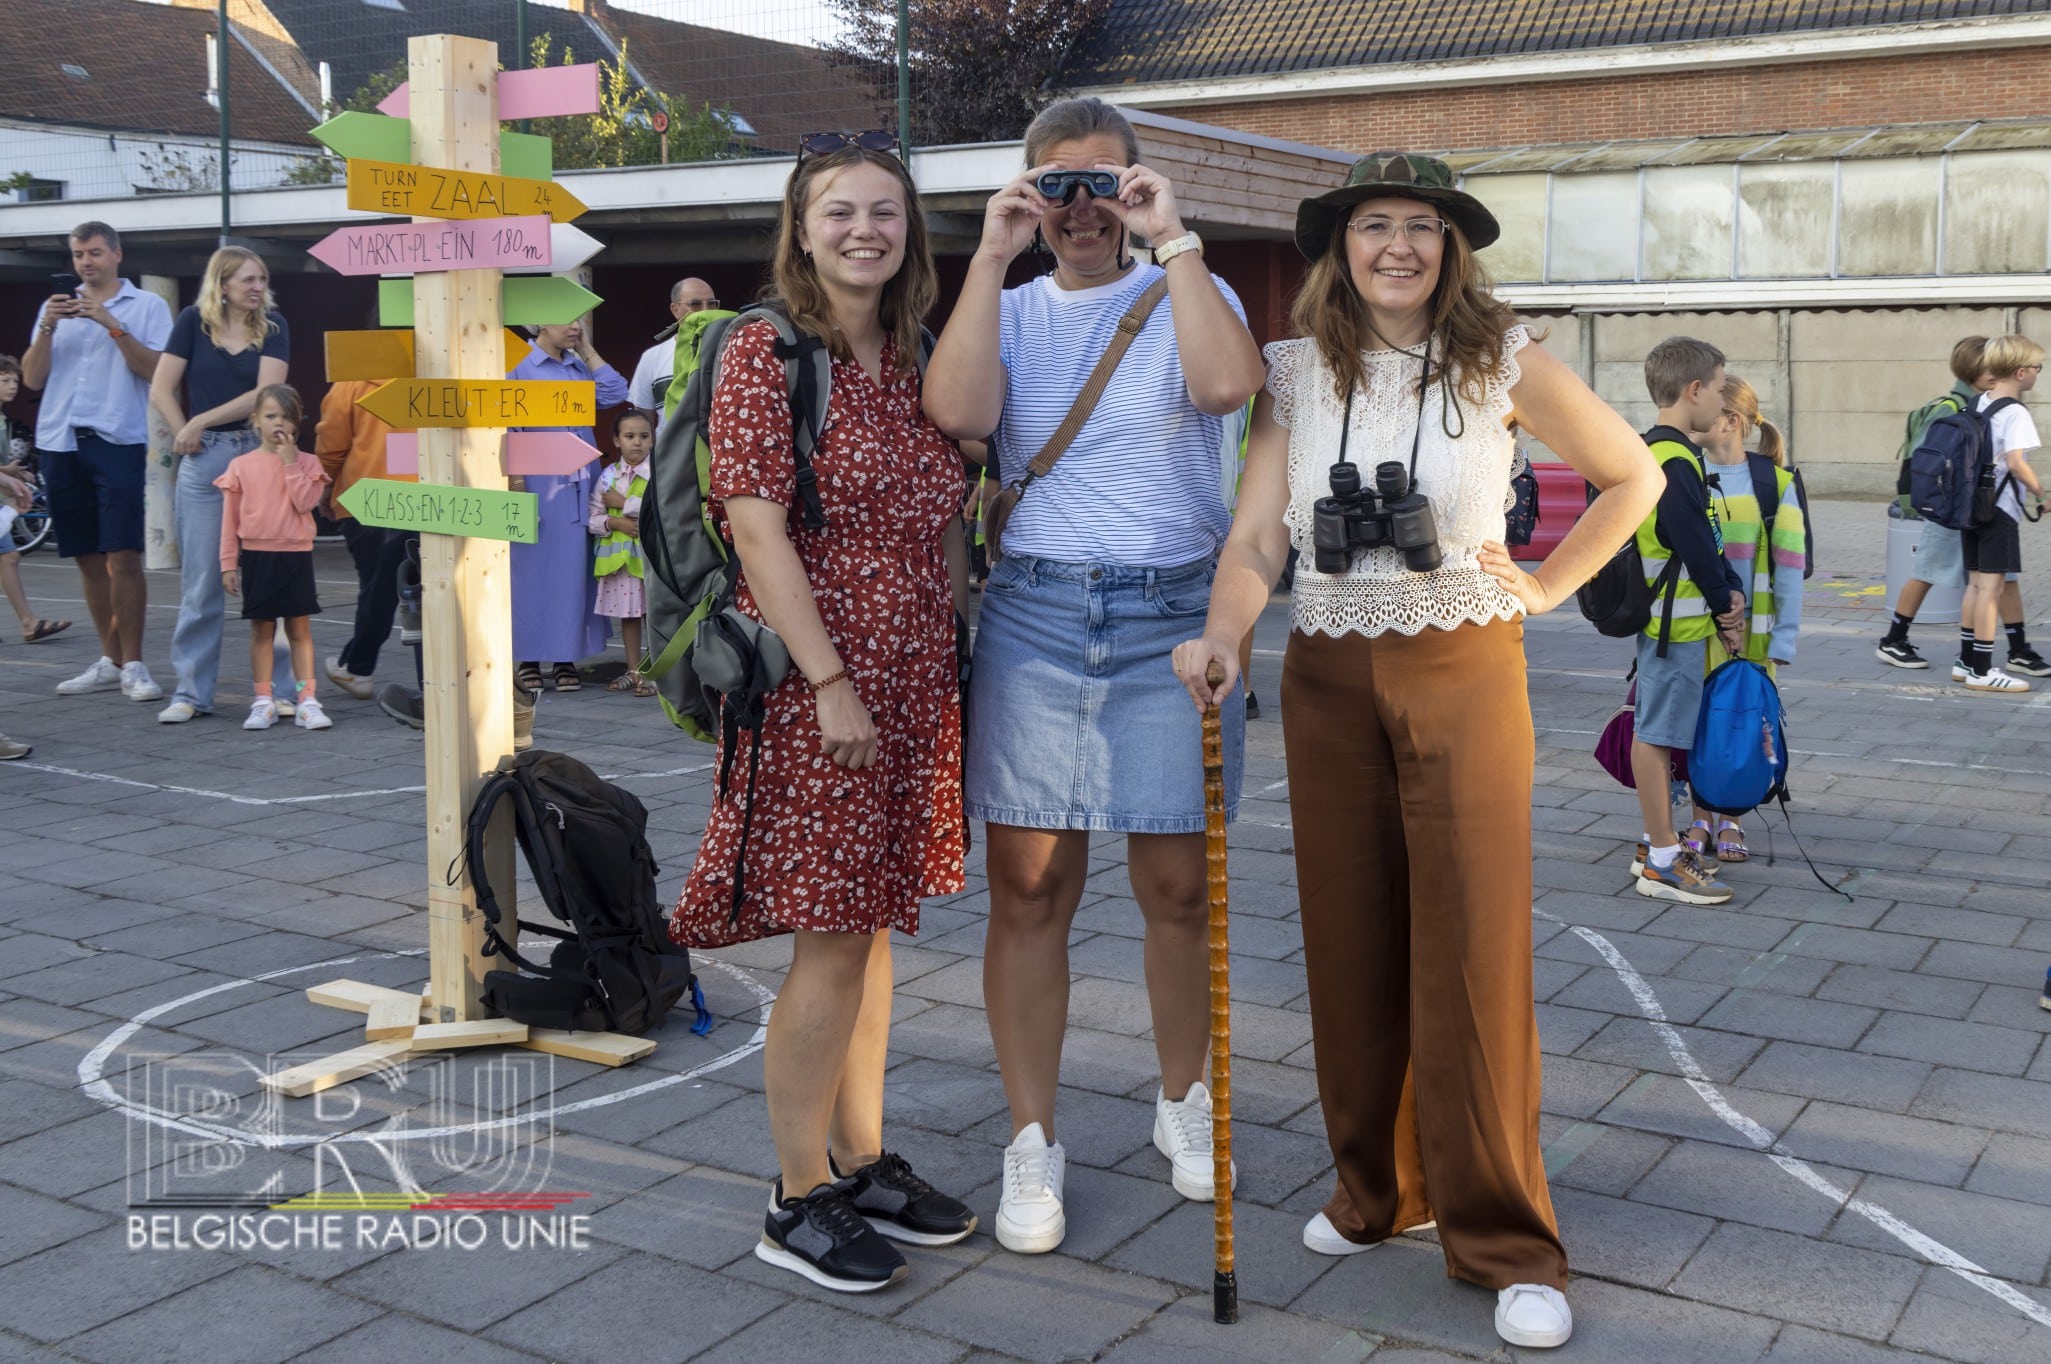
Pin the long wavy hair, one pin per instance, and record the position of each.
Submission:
(223, 266)
(1740, 400)
(907, 297)
(1467, 323)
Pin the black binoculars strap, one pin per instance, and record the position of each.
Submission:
(1416, 437)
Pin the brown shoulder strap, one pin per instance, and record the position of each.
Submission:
(1086, 401)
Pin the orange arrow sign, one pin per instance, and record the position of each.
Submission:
(388, 354)
(431, 192)
(484, 402)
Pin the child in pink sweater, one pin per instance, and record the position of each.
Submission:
(268, 497)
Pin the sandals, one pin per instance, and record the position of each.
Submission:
(1695, 838)
(1730, 842)
(44, 629)
(624, 682)
(643, 686)
(567, 678)
(527, 677)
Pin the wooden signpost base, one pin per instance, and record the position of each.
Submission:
(466, 590)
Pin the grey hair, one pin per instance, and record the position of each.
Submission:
(1069, 120)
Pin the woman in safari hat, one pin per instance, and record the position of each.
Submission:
(1404, 715)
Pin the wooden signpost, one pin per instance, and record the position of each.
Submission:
(419, 248)
(530, 300)
(388, 354)
(450, 383)
(527, 452)
(373, 137)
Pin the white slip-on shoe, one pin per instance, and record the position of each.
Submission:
(1182, 1132)
(177, 713)
(1321, 1236)
(1030, 1219)
(137, 684)
(104, 675)
(1534, 1316)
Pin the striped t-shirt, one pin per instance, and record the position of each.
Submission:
(1139, 485)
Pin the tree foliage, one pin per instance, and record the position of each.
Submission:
(980, 69)
(621, 133)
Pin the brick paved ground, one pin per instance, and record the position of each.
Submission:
(1893, 1048)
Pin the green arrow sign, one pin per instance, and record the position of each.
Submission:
(537, 300)
(478, 513)
(374, 137)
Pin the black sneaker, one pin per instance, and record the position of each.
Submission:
(1253, 706)
(896, 1202)
(2029, 662)
(401, 703)
(1901, 654)
(822, 1237)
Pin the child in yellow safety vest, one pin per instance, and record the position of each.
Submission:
(615, 513)
(1768, 563)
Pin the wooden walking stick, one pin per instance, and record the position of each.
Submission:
(1225, 1282)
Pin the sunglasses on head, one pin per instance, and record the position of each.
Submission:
(1062, 185)
(824, 144)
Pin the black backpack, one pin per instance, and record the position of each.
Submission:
(1762, 470)
(1618, 601)
(586, 842)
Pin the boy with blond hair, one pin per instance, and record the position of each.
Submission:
(1993, 549)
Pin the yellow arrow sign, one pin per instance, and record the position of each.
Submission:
(388, 354)
(484, 402)
(431, 192)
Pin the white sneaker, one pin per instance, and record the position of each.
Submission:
(177, 713)
(137, 684)
(1959, 673)
(311, 716)
(263, 713)
(1995, 680)
(1321, 1236)
(284, 705)
(1029, 1216)
(1182, 1132)
(358, 687)
(102, 676)
(1534, 1316)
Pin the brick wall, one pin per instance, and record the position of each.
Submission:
(1998, 84)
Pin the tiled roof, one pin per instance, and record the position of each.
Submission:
(1146, 41)
(125, 65)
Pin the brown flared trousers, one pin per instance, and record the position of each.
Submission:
(1410, 764)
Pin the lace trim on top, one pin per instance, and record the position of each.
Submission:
(1466, 475)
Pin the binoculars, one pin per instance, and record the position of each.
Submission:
(1061, 185)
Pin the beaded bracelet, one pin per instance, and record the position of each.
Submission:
(823, 683)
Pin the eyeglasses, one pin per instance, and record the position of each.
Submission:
(1379, 231)
(824, 144)
(697, 305)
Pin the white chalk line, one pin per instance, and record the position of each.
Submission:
(92, 1067)
(1698, 1080)
(234, 799)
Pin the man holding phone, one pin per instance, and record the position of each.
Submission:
(95, 347)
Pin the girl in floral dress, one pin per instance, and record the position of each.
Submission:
(854, 813)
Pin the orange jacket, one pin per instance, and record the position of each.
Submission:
(350, 442)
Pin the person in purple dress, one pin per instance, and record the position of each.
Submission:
(553, 589)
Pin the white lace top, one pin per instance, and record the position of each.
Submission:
(1466, 476)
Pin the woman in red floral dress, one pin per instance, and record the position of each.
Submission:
(857, 800)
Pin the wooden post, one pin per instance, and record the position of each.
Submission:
(466, 584)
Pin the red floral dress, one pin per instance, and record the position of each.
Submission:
(832, 849)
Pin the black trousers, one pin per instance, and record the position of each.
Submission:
(377, 554)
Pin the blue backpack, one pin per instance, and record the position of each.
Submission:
(1740, 758)
(1953, 458)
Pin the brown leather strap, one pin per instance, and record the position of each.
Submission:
(1100, 377)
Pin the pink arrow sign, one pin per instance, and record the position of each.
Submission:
(418, 248)
(526, 452)
(538, 92)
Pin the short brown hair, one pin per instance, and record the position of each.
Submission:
(1968, 360)
(10, 365)
(287, 399)
(92, 228)
(2007, 354)
(1675, 363)
(1071, 120)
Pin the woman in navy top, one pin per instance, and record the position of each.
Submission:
(222, 350)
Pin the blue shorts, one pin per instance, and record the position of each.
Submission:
(1669, 692)
(95, 495)
(1076, 717)
(1941, 558)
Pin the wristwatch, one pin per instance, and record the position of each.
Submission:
(1169, 250)
(117, 332)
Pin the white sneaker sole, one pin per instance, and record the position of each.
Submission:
(1035, 1240)
(1893, 662)
(1338, 1247)
(1533, 1340)
(885, 1227)
(322, 723)
(797, 1264)
(1196, 1191)
(1664, 890)
(66, 689)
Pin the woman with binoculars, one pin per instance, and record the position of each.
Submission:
(1404, 714)
(1076, 724)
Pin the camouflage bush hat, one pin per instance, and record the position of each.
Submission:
(1380, 175)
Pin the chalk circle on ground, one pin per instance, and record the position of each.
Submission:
(92, 1067)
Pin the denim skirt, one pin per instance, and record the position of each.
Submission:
(1076, 718)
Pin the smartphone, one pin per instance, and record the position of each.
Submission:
(64, 283)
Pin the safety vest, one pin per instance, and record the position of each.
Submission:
(616, 549)
(1691, 617)
(1743, 527)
